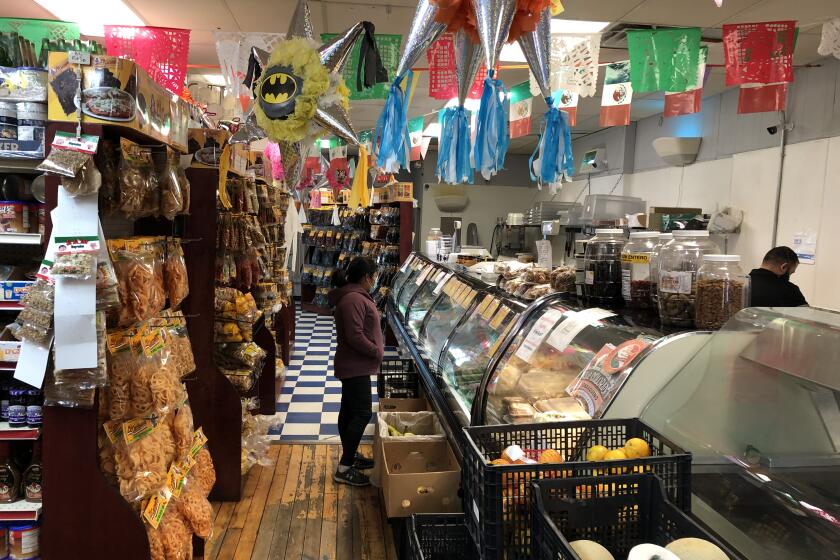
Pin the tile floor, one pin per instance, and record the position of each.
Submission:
(310, 398)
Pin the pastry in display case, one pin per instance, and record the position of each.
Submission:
(759, 407)
(465, 357)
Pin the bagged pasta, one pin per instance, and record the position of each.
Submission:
(175, 274)
(140, 281)
(139, 195)
(107, 286)
(179, 340)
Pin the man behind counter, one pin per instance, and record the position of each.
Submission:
(771, 285)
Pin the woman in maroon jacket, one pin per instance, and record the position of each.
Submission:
(358, 356)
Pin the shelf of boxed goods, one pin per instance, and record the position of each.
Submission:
(72, 476)
(20, 238)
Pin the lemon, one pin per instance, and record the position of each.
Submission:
(596, 453)
(636, 447)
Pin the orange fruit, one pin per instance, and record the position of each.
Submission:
(551, 456)
(636, 447)
(596, 453)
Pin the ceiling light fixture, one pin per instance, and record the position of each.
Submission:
(511, 52)
(214, 79)
(92, 15)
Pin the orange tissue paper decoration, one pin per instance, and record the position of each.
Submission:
(526, 17)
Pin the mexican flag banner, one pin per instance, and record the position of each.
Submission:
(688, 102)
(415, 135)
(521, 103)
(567, 101)
(617, 96)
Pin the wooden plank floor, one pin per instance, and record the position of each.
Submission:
(294, 510)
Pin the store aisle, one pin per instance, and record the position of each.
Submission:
(293, 509)
(309, 401)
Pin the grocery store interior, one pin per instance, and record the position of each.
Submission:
(419, 279)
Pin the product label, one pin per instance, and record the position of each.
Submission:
(487, 312)
(152, 342)
(537, 334)
(155, 509)
(501, 337)
(28, 539)
(573, 324)
(187, 464)
(625, 283)
(199, 439)
(78, 244)
(443, 283)
(175, 480)
(113, 430)
(675, 282)
(483, 305)
(17, 414)
(138, 428)
(34, 415)
(589, 277)
(499, 317)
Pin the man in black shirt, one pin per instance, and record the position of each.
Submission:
(771, 285)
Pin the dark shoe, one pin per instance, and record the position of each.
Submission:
(362, 463)
(352, 477)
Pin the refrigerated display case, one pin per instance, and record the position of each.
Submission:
(425, 298)
(759, 407)
(414, 279)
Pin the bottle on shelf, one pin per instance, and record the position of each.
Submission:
(9, 475)
(17, 408)
(33, 477)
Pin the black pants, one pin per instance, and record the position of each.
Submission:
(354, 415)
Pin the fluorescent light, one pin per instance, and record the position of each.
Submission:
(512, 52)
(325, 143)
(92, 15)
(214, 79)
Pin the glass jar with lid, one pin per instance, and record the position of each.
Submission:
(722, 290)
(679, 261)
(635, 269)
(654, 265)
(602, 267)
(433, 243)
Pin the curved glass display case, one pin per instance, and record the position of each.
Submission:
(425, 298)
(465, 356)
(402, 275)
(759, 406)
(418, 272)
(458, 296)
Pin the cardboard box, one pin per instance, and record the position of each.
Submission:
(14, 290)
(116, 91)
(403, 405)
(402, 192)
(9, 347)
(420, 477)
(381, 195)
(657, 213)
(424, 426)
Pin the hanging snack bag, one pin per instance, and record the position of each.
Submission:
(139, 194)
(175, 273)
(69, 154)
(171, 195)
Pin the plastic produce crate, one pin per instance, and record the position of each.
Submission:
(440, 537)
(398, 380)
(497, 499)
(618, 512)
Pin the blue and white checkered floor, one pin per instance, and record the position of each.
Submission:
(309, 401)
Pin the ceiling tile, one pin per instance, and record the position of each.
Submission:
(204, 15)
(804, 11)
(696, 13)
(609, 10)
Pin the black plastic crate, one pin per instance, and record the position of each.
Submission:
(618, 512)
(398, 380)
(440, 536)
(497, 499)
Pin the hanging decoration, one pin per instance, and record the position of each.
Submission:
(275, 160)
(830, 40)
(493, 20)
(574, 63)
(759, 53)
(459, 15)
(453, 163)
(338, 173)
(521, 104)
(248, 130)
(300, 87)
(234, 51)
(290, 155)
(688, 102)
(617, 95)
(754, 98)
(391, 128)
(359, 192)
(553, 154)
(567, 101)
(161, 51)
(663, 59)
(367, 68)
(443, 80)
(415, 137)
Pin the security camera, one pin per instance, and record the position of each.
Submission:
(427, 186)
(772, 129)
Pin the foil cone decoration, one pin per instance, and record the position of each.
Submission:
(292, 163)
(335, 53)
(536, 46)
(422, 33)
(493, 19)
(248, 131)
(207, 120)
(301, 24)
(467, 61)
(334, 119)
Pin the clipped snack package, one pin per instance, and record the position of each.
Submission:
(139, 194)
(67, 395)
(140, 290)
(107, 292)
(64, 162)
(122, 366)
(81, 266)
(86, 182)
(175, 273)
(107, 160)
(182, 355)
(171, 195)
(89, 378)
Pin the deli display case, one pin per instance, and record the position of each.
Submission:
(757, 402)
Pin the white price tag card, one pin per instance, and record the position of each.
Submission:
(544, 256)
(443, 282)
(78, 57)
(422, 276)
(573, 324)
(537, 334)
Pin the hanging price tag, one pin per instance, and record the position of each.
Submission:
(423, 275)
(499, 317)
(502, 336)
(573, 324)
(444, 282)
(537, 334)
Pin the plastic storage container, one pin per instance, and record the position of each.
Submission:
(664, 238)
(679, 262)
(440, 536)
(497, 497)
(398, 379)
(635, 269)
(722, 290)
(602, 267)
(617, 512)
(600, 208)
(433, 243)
